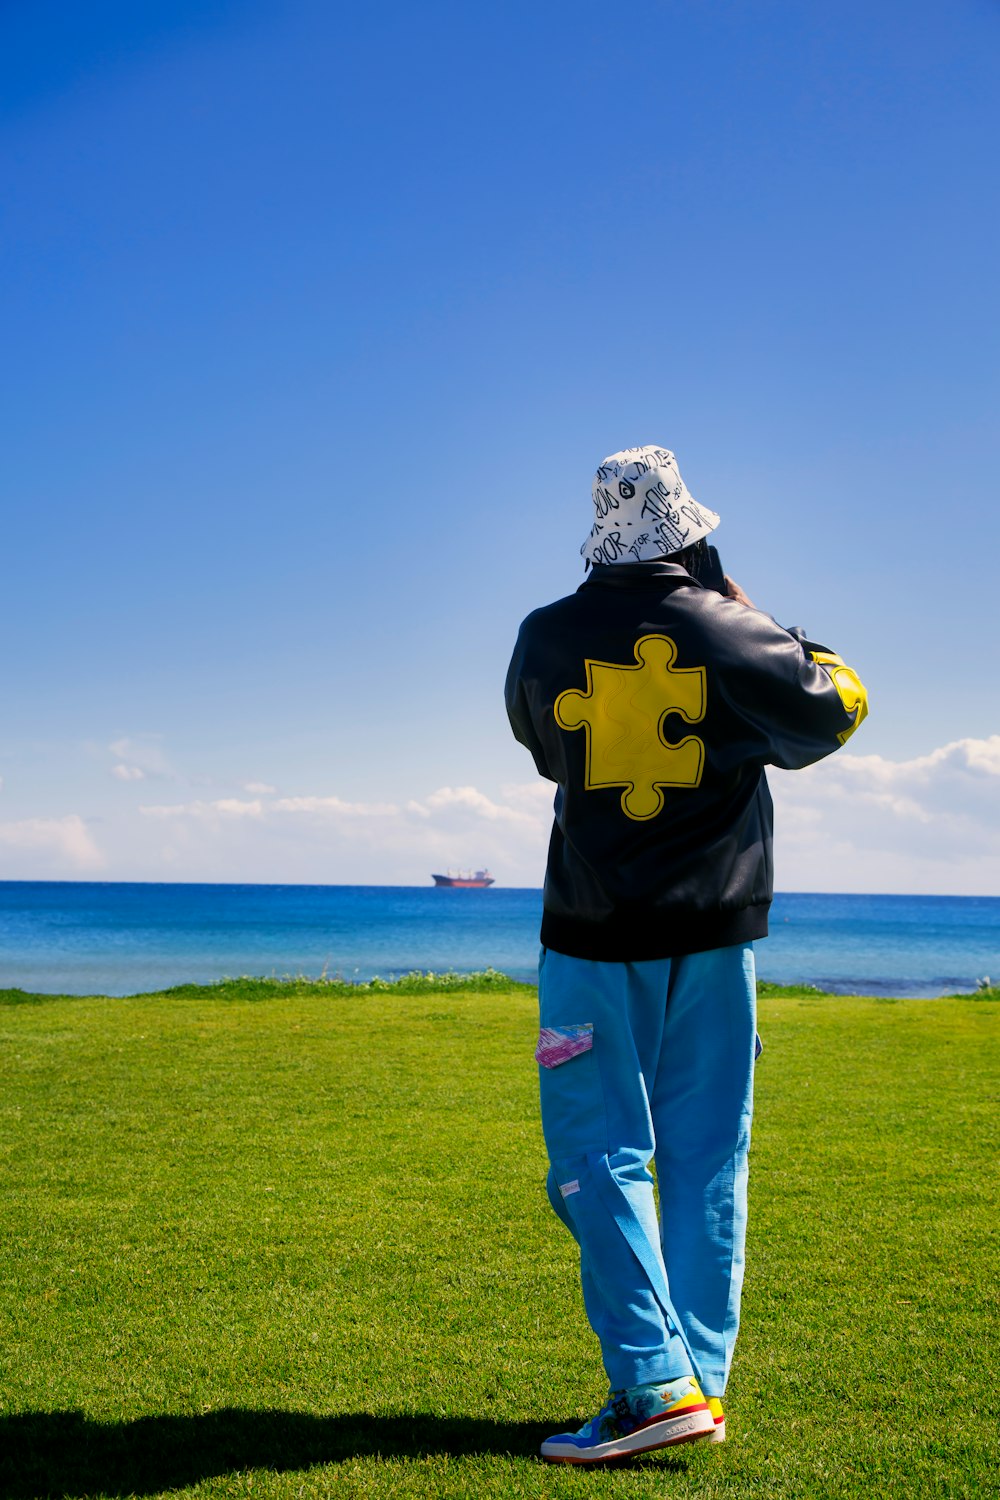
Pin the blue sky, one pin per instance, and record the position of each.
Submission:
(317, 320)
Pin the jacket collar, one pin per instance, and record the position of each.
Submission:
(637, 575)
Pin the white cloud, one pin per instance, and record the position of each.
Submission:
(334, 807)
(469, 800)
(223, 807)
(128, 773)
(850, 823)
(534, 797)
(49, 845)
(862, 822)
(142, 753)
(981, 755)
(233, 807)
(332, 838)
(259, 788)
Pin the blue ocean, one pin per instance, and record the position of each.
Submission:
(121, 939)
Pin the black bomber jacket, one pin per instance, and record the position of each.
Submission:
(654, 704)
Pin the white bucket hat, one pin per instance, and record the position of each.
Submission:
(643, 509)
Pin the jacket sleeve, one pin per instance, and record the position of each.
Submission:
(797, 699)
(518, 707)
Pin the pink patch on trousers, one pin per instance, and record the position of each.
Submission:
(557, 1044)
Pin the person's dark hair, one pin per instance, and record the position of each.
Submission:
(693, 558)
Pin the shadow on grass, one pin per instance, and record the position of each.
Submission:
(64, 1453)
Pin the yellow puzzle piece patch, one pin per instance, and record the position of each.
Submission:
(853, 694)
(623, 711)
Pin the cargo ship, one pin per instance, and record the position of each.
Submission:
(466, 880)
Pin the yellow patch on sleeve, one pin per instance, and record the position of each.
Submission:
(849, 686)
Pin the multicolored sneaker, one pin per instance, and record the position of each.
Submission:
(636, 1421)
(715, 1407)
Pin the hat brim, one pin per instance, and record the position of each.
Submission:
(651, 537)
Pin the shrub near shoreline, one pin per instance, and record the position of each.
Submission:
(417, 982)
(303, 1247)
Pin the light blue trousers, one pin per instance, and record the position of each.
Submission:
(668, 1074)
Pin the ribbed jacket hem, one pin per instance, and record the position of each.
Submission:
(633, 937)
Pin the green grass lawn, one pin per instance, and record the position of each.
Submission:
(270, 1239)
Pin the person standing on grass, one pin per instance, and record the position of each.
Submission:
(654, 697)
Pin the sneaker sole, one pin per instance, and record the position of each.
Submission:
(687, 1428)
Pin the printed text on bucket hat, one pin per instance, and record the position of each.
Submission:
(643, 509)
